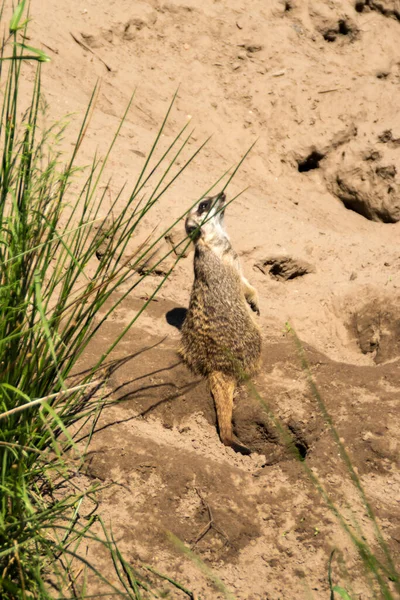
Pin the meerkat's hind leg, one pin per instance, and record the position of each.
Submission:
(222, 388)
(251, 295)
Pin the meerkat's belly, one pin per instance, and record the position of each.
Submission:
(219, 333)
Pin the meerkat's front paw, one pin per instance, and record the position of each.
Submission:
(254, 307)
(252, 300)
(251, 296)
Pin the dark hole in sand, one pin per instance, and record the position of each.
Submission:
(344, 29)
(310, 162)
(302, 450)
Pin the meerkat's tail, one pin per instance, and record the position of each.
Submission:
(222, 387)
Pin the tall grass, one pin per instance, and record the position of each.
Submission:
(54, 281)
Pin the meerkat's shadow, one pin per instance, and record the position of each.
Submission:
(176, 317)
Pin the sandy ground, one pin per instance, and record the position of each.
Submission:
(317, 85)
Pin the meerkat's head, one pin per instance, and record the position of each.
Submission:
(206, 219)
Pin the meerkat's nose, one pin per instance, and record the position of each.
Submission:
(222, 196)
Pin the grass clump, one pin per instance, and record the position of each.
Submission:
(60, 263)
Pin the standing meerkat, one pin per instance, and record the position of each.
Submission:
(220, 338)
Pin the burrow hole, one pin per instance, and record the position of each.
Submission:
(298, 442)
(310, 162)
(302, 449)
(342, 29)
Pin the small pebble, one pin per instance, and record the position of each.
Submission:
(278, 73)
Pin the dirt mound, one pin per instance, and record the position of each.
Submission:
(283, 268)
(363, 175)
(377, 328)
(158, 442)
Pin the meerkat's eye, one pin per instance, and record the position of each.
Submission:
(203, 206)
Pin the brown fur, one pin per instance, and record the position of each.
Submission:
(220, 339)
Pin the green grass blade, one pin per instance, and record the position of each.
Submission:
(16, 17)
(46, 328)
(342, 592)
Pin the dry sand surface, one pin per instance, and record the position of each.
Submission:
(317, 84)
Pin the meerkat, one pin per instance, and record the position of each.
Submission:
(220, 338)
